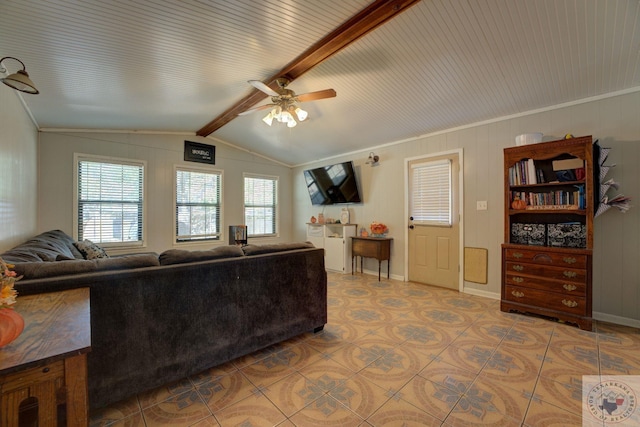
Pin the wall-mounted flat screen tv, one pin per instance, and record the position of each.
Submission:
(333, 184)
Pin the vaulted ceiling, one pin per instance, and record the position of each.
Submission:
(174, 66)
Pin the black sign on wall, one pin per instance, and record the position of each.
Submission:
(202, 153)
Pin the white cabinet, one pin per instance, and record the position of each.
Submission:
(336, 241)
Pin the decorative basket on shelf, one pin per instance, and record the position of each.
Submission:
(378, 229)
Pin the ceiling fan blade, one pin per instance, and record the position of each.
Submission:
(252, 110)
(312, 96)
(263, 87)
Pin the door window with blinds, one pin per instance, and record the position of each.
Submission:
(198, 204)
(260, 205)
(431, 197)
(110, 202)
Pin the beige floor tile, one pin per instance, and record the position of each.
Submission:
(489, 403)
(435, 398)
(360, 395)
(574, 353)
(469, 353)
(518, 369)
(447, 375)
(326, 412)
(620, 361)
(294, 392)
(163, 393)
(256, 411)
(225, 390)
(178, 410)
(326, 374)
(400, 413)
(544, 414)
(562, 395)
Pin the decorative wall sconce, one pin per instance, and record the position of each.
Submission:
(19, 80)
(373, 159)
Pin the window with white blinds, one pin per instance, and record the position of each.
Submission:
(198, 204)
(110, 204)
(431, 198)
(260, 205)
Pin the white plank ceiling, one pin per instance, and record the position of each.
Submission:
(153, 65)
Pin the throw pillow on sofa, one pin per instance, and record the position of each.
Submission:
(90, 250)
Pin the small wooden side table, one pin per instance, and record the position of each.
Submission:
(47, 363)
(371, 247)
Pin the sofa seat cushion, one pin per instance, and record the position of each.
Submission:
(39, 270)
(181, 256)
(49, 246)
(276, 247)
(123, 262)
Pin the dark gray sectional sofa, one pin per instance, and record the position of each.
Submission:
(160, 318)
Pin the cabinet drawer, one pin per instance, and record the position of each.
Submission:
(560, 286)
(546, 258)
(549, 300)
(558, 273)
(23, 379)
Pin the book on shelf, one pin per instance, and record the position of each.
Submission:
(531, 172)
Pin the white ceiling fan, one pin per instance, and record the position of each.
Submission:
(284, 102)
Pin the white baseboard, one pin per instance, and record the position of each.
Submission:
(481, 293)
(618, 320)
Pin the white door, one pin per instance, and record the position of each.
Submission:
(434, 225)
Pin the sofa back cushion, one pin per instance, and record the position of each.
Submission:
(276, 247)
(49, 246)
(181, 256)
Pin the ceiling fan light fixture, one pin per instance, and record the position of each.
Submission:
(302, 115)
(268, 119)
(19, 80)
(291, 123)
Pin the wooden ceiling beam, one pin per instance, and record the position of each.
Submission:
(368, 19)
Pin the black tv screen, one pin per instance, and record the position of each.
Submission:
(332, 184)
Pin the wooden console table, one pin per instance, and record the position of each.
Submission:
(46, 366)
(371, 247)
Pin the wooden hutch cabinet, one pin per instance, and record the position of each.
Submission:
(549, 206)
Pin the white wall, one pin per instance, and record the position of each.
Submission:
(18, 170)
(615, 121)
(161, 152)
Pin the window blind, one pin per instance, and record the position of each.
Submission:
(431, 193)
(198, 205)
(260, 205)
(110, 201)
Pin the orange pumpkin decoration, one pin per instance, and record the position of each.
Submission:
(518, 204)
(11, 326)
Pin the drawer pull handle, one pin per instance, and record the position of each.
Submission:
(569, 274)
(569, 287)
(517, 255)
(45, 370)
(517, 294)
(569, 260)
(569, 303)
(518, 267)
(543, 258)
(518, 279)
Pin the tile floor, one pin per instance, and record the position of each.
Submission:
(398, 354)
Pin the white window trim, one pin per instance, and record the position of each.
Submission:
(78, 157)
(203, 242)
(277, 210)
